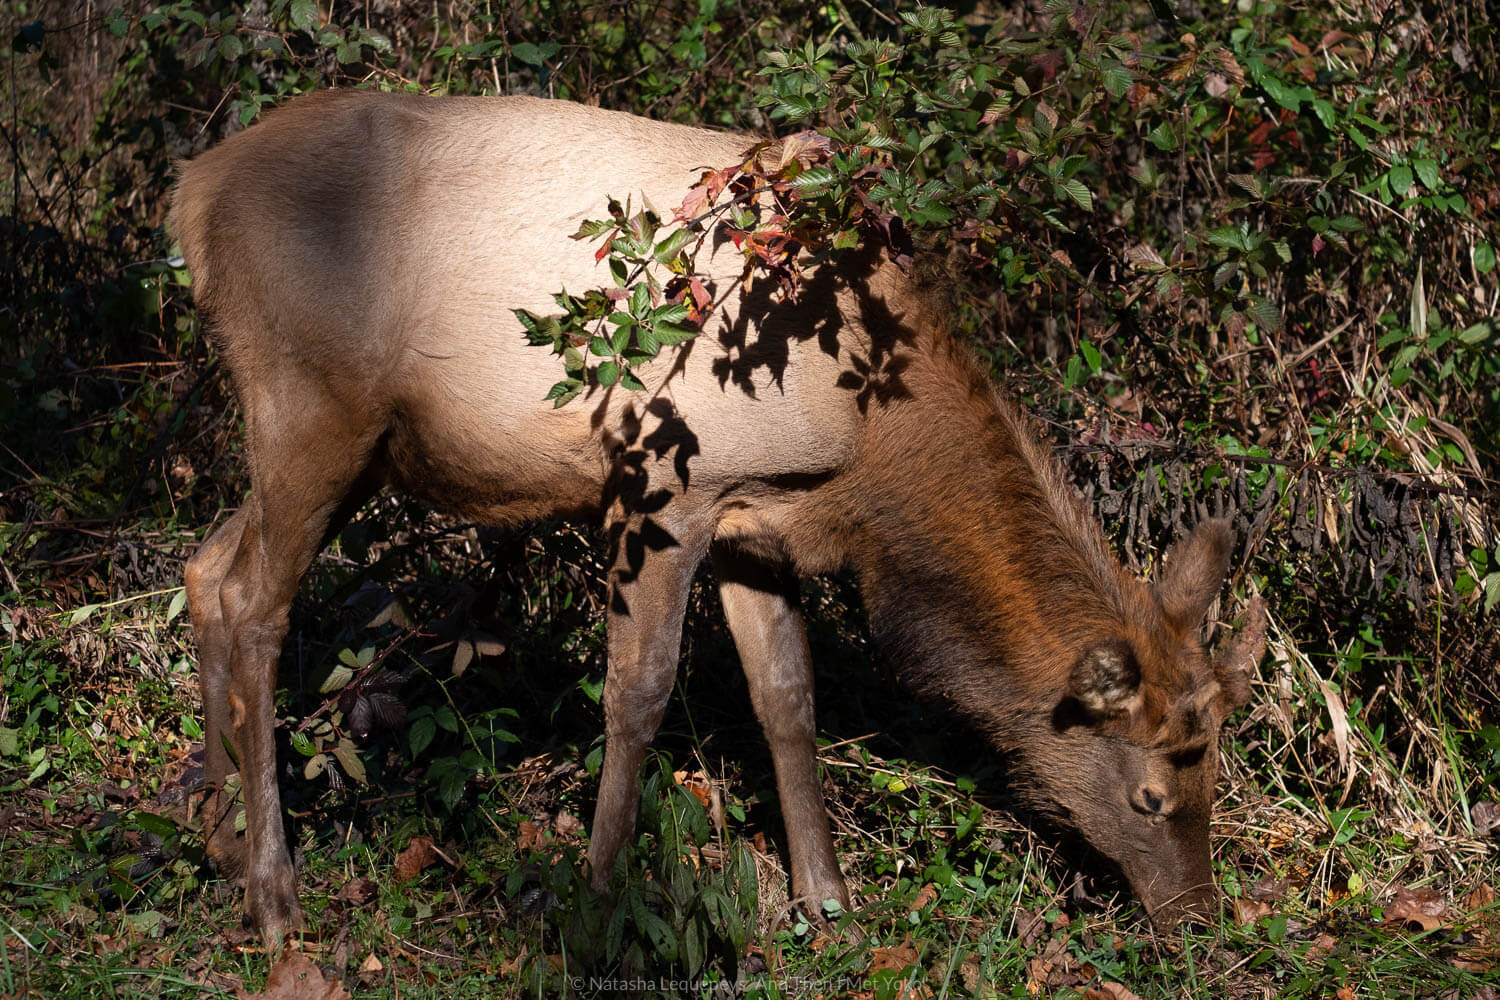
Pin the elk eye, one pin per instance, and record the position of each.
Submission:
(1188, 757)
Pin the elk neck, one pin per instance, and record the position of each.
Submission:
(984, 576)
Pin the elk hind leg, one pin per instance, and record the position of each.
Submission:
(203, 577)
(311, 467)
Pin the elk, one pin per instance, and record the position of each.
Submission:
(358, 257)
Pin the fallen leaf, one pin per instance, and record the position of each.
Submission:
(1270, 890)
(1029, 926)
(295, 977)
(1417, 909)
(927, 894)
(529, 836)
(358, 891)
(1110, 991)
(1486, 817)
(1480, 898)
(1282, 834)
(1248, 911)
(1346, 992)
(566, 824)
(897, 957)
(370, 970)
(511, 966)
(1323, 944)
(418, 856)
(971, 974)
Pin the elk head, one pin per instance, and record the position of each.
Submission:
(1131, 755)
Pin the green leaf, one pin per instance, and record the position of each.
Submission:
(1075, 189)
(527, 53)
(1484, 258)
(304, 14)
(179, 601)
(1228, 237)
(672, 312)
(1091, 356)
(230, 47)
(1288, 97)
(349, 52)
(812, 179)
(629, 381)
(672, 245)
(1323, 108)
(349, 759)
(1164, 137)
(608, 373)
(1400, 179)
(1115, 77)
(9, 741)
(565, 391)
(1478, 333)
(82, 614)
(338, 678)
(590, 228)
(1267, 317)
(640, 300)
(670, 334)
(601, 348)
(421, 733)
(1427, 173)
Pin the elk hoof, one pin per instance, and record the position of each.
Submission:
(275, 914)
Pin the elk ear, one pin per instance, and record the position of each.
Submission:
(1106, 680)
(1236, 662)
(1194, 572)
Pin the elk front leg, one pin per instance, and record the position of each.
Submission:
(761, 605)
(650, 578)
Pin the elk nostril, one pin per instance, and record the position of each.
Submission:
(1151, 799)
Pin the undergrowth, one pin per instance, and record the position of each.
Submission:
(1239, 259)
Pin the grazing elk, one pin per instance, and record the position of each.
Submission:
(359, 255)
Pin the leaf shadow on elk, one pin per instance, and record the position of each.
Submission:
(816, 315)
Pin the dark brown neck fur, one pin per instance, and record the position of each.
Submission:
(973, 550)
